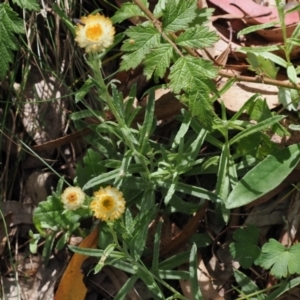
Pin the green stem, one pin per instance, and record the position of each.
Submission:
(95, 63)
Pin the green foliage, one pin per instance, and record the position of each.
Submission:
(192, 73)
(157, 50)
(27, 4)
(178, 15)
(10, 25)
(158, 178)
(127, 10)
(281, 260)
(264, 177)
(197, 37)
(141, 40)
(262, 66)
(248, 286)
(245, 248)
(157, 61)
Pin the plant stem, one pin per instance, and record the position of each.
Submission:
(223, 73)
(95, 63)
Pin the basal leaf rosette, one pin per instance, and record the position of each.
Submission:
(95, 33)
(108, 204)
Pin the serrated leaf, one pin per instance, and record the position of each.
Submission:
(179, 14)
(159, 7)
(27, 4)
(264, 177)
(200, 107)
(191, 74)
(157, 61)
(282, 261)
(141, 41)
(10, 24)
(126, 11)
(197, 37)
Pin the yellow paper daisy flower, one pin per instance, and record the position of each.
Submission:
(95, 33)
(72, 198)
(108, 204)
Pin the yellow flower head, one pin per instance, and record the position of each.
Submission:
(108, 204)
(72, 198)
(95, 33)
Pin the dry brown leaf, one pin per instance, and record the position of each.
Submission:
(239, 93)
(71, 286)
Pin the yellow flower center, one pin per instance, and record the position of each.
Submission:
(108, 203)
(72, 197)
(94, 32)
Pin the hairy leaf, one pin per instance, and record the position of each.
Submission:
(141, 40)
(179, 14)
(157, 61)
(197, 37)
(191, 74)
(10, 24)
(200, 106)
(27, 4)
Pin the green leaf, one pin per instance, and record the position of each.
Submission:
(261, 65)
(27, 4)
(157, 61)
(282, 261)
(148, 279)
(191, 74)
(179, 14)
(49, 215)
(245, 248)
(264, 177)
(90, 167)
(193, 269)
(254, 28)
(197, 37)
(146, 129)
(141, 41)
(256, 128)
(284, 286)
(247, 286)
(126, 11)
(126, 288)
(10, 24)
(291, 73)
(159, 7)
